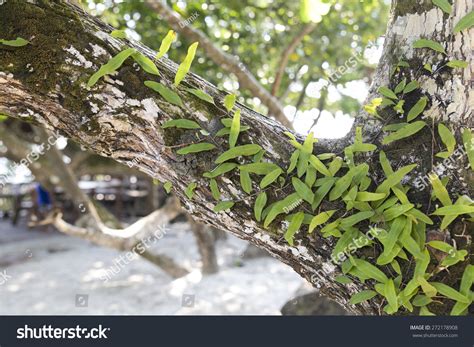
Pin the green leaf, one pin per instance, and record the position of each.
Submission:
(428, 67)
(450, 293)
(442, 246)
(168, 186)
(220, 170)
(196, 148)
(181, 124)
(244, 150)
(319, 166)
(343, 279)
(391, 295)
(394, 179)
(458, 64)
(18, 42)
(245, 181)
(366, 196)
(302, 190)
(229, 102)
(190, 190)
(146, 63)
(280, 207)
(443, 5)
(422, 300)
(335, 166)
(321, 193)
(216, 194)
(260, 203)
(448, 139)
(166, 44)
(362, 296)
(186, 64)
(270, 178)
(454, 210)
(424, 43)
(411, 87)
(400, 86)
(404, 132)
(295, 225)
(439, 190)
(468, 141)
(370, 270)
(465, 22)
(356, 218)
(396, 211)
(119, 34)
(111, 66)
(259, 168)
(234, 129)
(165, 92)
(417, 109)
(388, 93)
(201, 95)
(390, 241)
(223, 205)
(293, 160)
(320, 219)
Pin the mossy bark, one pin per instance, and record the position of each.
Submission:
(121, 118)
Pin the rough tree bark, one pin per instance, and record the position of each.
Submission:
(120, 118)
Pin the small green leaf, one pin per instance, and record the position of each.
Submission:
(356, 218)
(443, 5)
(293, 161)
(165, 92)
(417, 109)
(468, 141)
(259, 168)
(400, 86)
(234, 129)
(458, 64)
(320, 219)
(388, 93)
(220, 170)
(18, 42)
(181, 124)
(411, 87)
(370, 270)
(260, 203)
(119, 34)
(229, 101)
(168, 186)
(244, 150)
(424, 43)
(216, 194)
(366, 196)
(440, 190)
(391, 295)
(196, 148)
(186, 64)
(406, 131)
(464, 23)
(166, 44)
(295, 225)
(146, 63)
(245, 181)
(428, 67)
(362, 296)
(421, 300)
(454, 210)
(111, 66)
(318, 165)
(448, 139)
(190, 190)
(302, 190)
(201, 95)
(450, 293)
(223, 205)
(280, 207)
(270, 178)
(343, 279)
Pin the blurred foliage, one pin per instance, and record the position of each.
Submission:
(258, 31)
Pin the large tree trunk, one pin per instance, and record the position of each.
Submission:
(45, 83)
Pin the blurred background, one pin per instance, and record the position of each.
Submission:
(316, 60)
